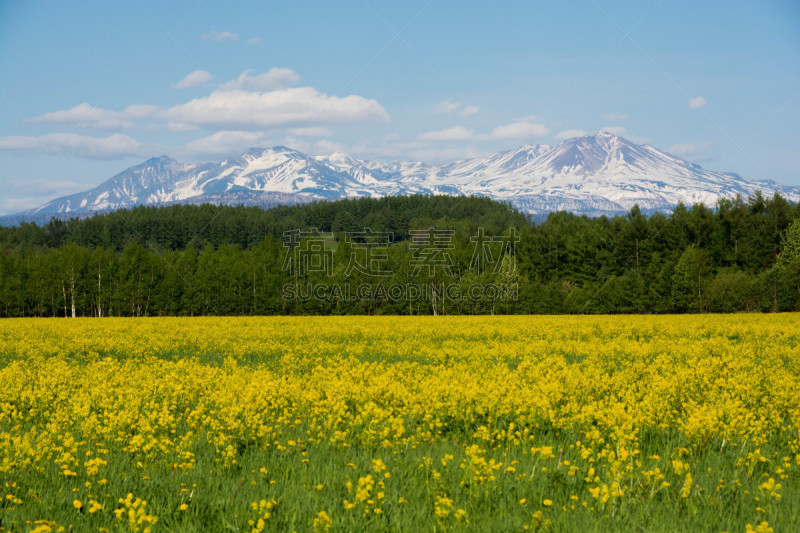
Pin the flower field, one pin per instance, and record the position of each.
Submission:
(629, 423)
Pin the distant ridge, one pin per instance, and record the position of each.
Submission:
(596, 174)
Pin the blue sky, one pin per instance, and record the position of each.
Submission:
(90, 89)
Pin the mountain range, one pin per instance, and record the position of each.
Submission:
(596, 174)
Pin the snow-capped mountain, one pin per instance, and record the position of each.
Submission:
(603, 172)
(598, 173)
(128, 188)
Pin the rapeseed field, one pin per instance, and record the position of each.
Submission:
(623, 423)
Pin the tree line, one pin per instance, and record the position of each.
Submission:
(421, 255)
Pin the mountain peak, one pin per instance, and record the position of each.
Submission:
(160, 160)
(603, 134)
(590, 153)
(339, 159)
(259, 150)
(602, 137)
(598, 173)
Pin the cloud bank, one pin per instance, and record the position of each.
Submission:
(86, 116)
(302, 106)
(520, 130)
(113, 147)
(447, 108)
(275, 78)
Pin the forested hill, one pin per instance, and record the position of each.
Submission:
(177, 226)
(742, 255)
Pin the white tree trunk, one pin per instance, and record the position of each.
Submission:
(99, 295)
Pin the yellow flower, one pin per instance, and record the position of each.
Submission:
(77, 504)
(322, 522)
(404, 386)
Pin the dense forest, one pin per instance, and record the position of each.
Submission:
(404, 255)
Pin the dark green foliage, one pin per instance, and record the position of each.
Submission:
(222, 260)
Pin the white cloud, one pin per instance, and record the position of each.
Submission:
(113, 147)
(696, 103)
(447, 107)
(388, 149)
(46, 188)
(413, 150)
(441, 155)
(456, 133)
(275, 78)
(193, 79)
(326, 147)
(250, 102)
(690, 149)
(615, 130)
(615, 116)
(86, 116)
(254, 41)
(302, 106)
(228, 143)
(528, 118)
(323, 147)
(15, 205)
(311, 131)
(220, 36)
(569, 134)
(520, 130)
(180, 126)
(224, 143)
(301, 145)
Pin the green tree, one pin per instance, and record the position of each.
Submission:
(688, 280)
(731, 291)
(790, 246)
